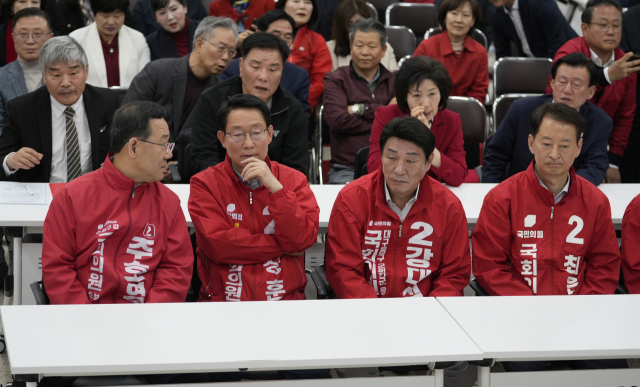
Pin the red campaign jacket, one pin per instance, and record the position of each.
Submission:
(469, 73)
(371, 254)
(108, 241)
(631, 246)
(243, 235)
(255, 9)
(310, 52)
(524, 244)
(618, 100)
(447, 129)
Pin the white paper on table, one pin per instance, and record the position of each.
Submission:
(21, 193)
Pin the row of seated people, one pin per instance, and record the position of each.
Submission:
(353, 96)
(350, 131)
(255, 217)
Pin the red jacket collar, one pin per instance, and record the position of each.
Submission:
(445, 47)
(584, 47)
(425, 194)
(116, 179)
(545, 194)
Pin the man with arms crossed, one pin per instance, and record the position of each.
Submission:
(546, 230)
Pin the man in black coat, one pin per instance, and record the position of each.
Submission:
(263, 57)
(60, 131)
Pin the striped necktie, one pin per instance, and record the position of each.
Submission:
(73, 149)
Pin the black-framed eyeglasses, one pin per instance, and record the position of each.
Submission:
(37, 36)
(604, 27)
(239, 135)
(168, 146)
(221, 49)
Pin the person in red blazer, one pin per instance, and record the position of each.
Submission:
(309, 50)
(422, 89)
(465, 59)
(253, 11)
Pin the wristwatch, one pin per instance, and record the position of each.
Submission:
(355, 108)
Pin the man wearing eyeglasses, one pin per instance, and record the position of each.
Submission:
(263, 58)
(616, 87)
(58, 132)
(133, 244)
(176, 83)
(31, 29)
(254, 217)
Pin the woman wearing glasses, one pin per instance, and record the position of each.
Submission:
(116, 52)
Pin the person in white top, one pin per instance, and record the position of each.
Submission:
(346, 14)
(58, 132)
(116, 52)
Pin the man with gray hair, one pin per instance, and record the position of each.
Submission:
(353, 93)
(58, 132)
(176, 83)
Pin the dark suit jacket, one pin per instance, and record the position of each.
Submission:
(161, 43)
(544, 26)
(28, 124)
(144, 20)
(508, 151)
(294, 79)
(164, 81)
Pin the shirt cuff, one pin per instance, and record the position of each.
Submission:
(7, 172)
(614, 166)
(606, 75)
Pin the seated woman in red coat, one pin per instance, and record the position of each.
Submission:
(309, 49)
(422, 89)
(465, 59)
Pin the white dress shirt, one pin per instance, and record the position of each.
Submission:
(562, 193)
(59, 141)
(514, 15)
(596, 59)
(402, 213)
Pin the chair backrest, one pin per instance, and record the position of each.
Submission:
(402, 40)
(477, 35)
(419, 17)
(374, 11)
(122, 91)
(183, 150)
(360, 165)
(521, 75)
(501, 107)
(39, 293)
(473, 117)
(381, 5)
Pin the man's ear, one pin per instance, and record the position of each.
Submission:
(132, 147)
(592, 92)
(240, 66)
(579, 148)
(269, 134)
(220, 135)
(531, 138)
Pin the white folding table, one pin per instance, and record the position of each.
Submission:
(80, 340)
(552, 328)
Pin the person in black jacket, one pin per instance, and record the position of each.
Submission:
(144, 19)
(174, 39)
(32, 145)
(263, 57)
(630, 168)
(77, 16)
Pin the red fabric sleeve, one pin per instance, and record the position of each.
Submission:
(453, 168)
(59, 253)
(375, 156)
(602, 269)
(455, 269)
(480, 85)
(631, 247)
(218, 237)
(173, 274)
(321, 64)
(623, 117)
(297, 218)
(344, 263)
(491, 241)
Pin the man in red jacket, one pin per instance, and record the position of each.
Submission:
(397, 232)
(546, 230)
(117, 235)
(631, 246)
(616, 88)
(254, 218)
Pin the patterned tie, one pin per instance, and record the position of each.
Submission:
(73, 150)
